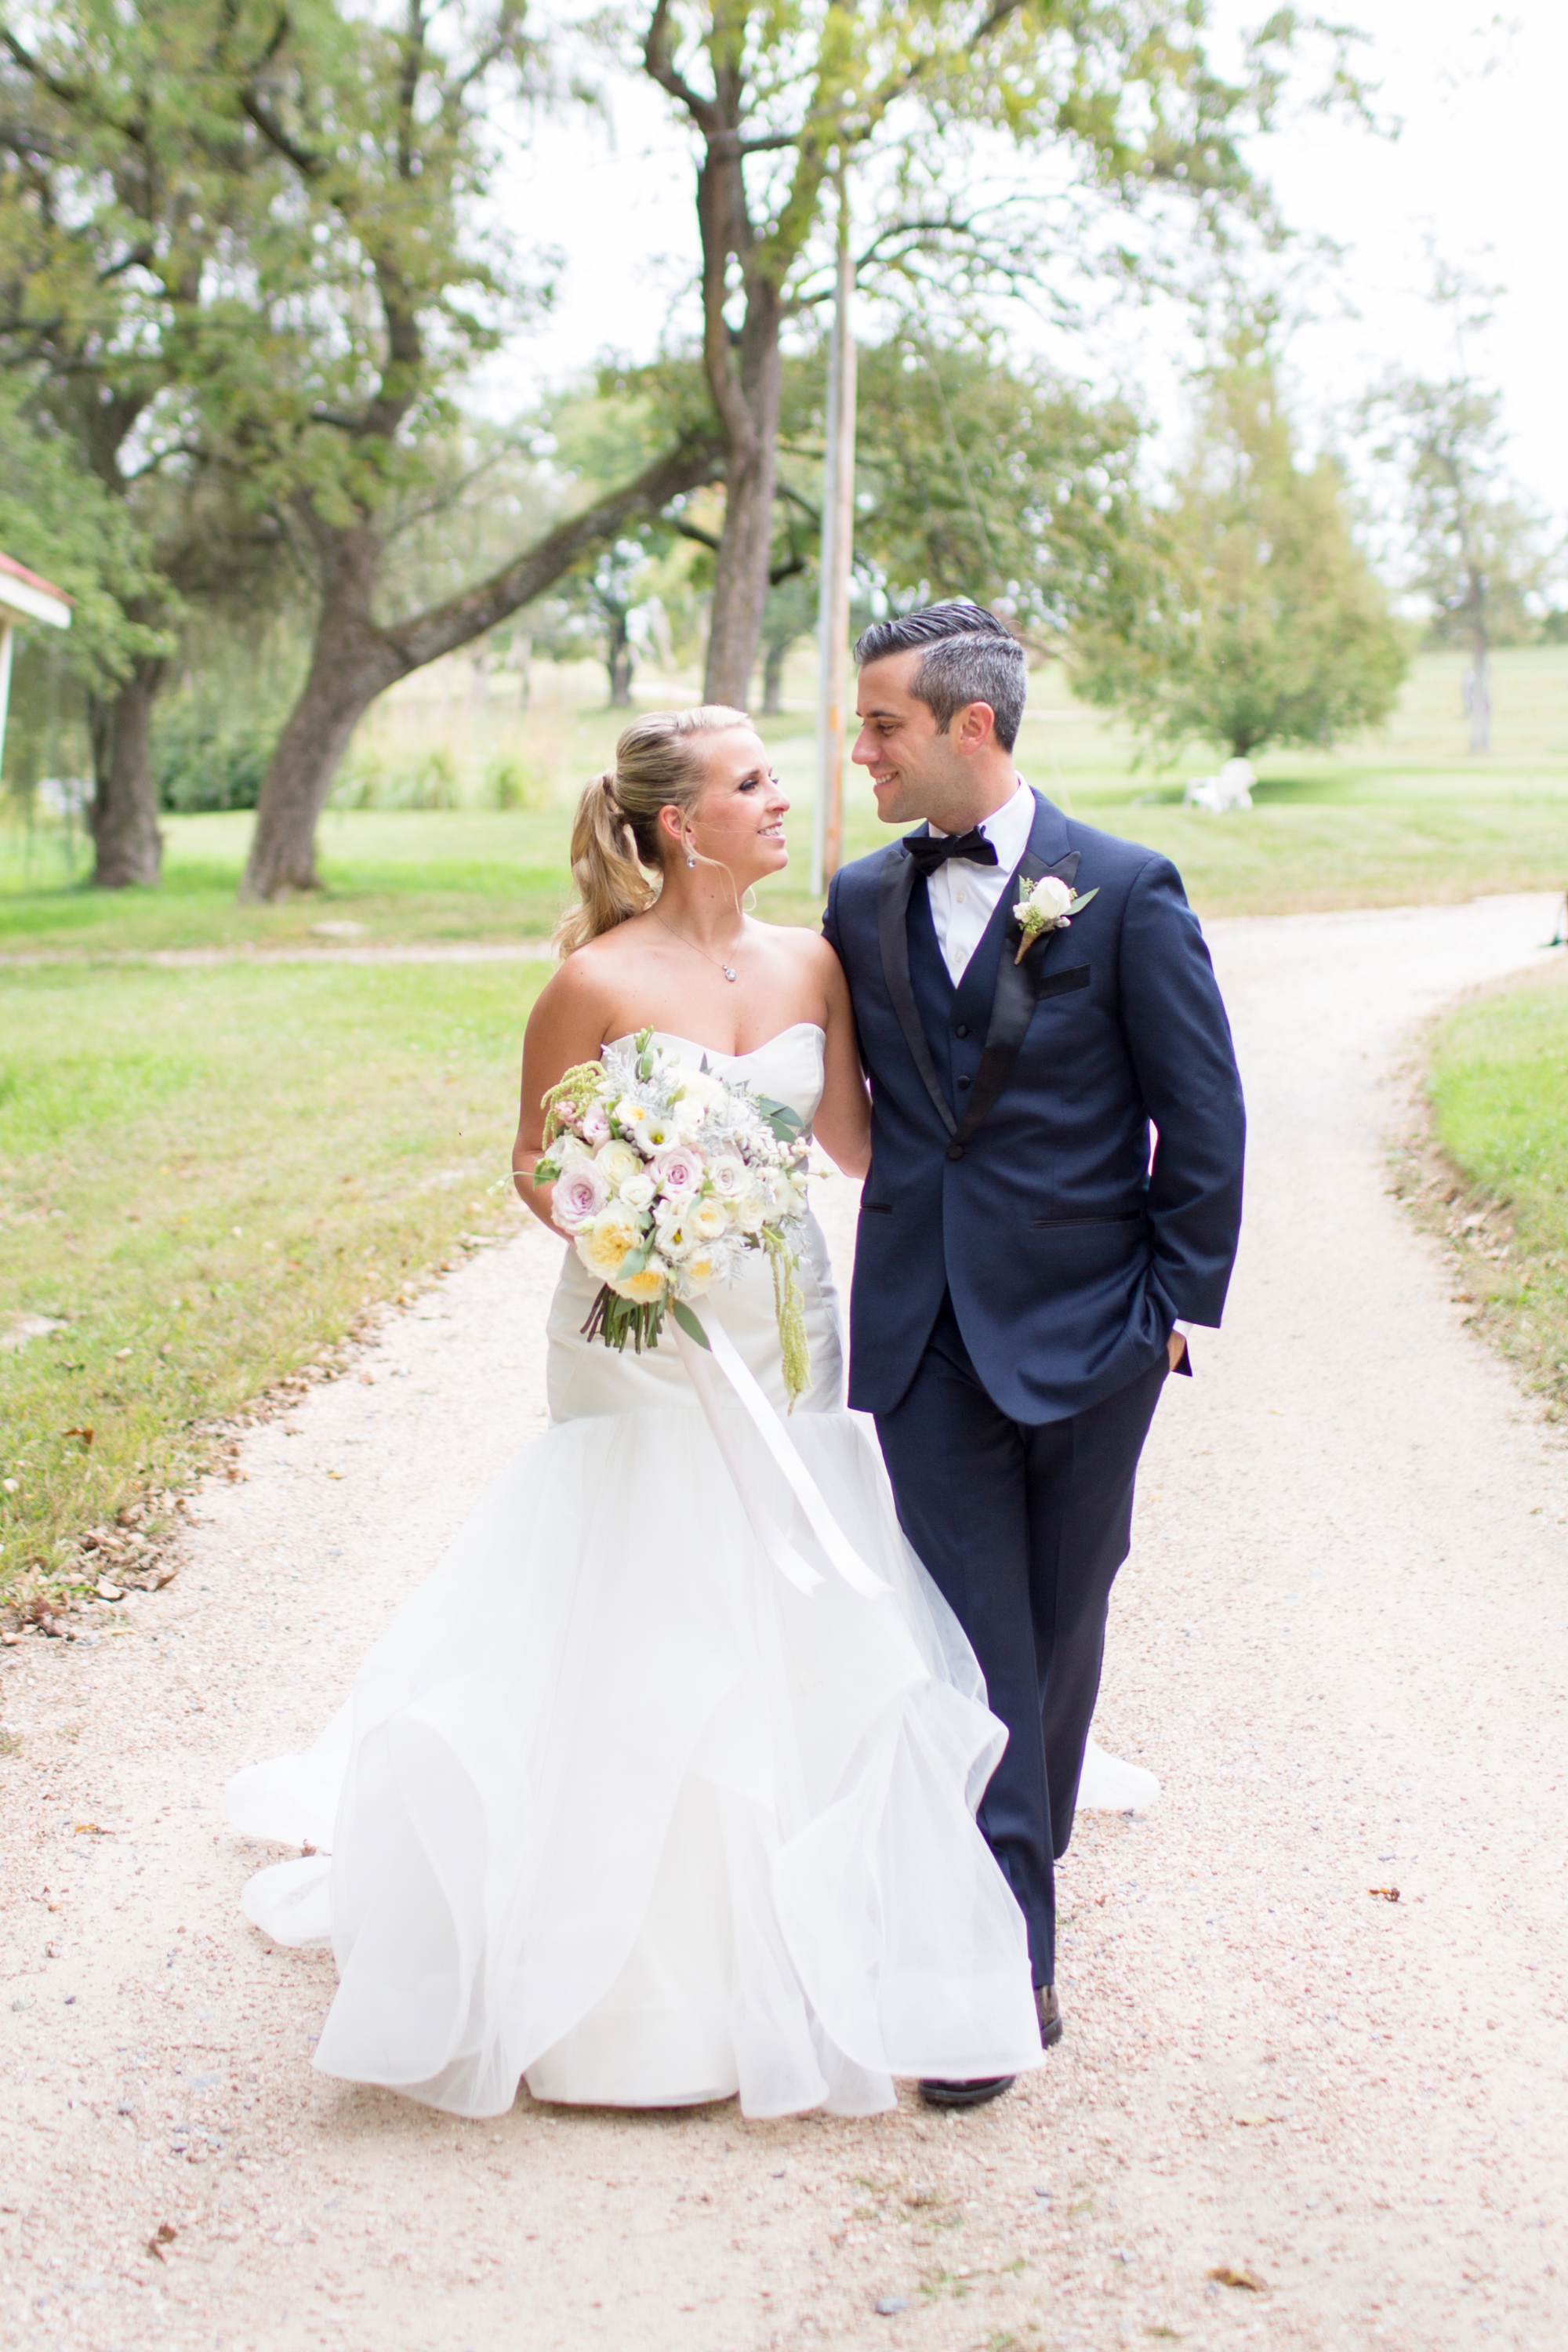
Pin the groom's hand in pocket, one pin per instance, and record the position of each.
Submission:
(1176, 1349)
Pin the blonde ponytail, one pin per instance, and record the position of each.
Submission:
(616, 855)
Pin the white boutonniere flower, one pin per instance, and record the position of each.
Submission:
(1044, 906)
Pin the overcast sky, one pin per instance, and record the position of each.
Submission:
(1476, 168)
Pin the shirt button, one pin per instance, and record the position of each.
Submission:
(962, 1030)
(959, 896)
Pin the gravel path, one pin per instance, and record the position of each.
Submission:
(1342, 1641)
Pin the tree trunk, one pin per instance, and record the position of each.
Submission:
(740, 580)
(355, 658)
(776, 654)
(351, 663)
(127, 842)
(619, 663)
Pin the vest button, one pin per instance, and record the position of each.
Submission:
(963, 1082)
(962, 1030)
(955, 1151)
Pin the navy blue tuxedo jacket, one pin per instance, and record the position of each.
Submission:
(1010, 1128)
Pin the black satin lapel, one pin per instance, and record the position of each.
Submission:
(897, 880)
(1013, 1005)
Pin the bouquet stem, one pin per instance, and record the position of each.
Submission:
(615, 1321)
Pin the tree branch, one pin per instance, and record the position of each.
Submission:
(659, 60)
(691, 463)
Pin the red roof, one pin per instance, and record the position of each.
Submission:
(20, 571)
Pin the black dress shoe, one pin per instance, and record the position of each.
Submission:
(1049, 2011)
(967, 2095)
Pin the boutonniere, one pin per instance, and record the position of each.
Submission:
(1044, 906)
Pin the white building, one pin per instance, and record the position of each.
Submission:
(24, 597)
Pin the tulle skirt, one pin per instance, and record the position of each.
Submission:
(616, 1811)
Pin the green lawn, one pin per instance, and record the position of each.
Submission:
(1410, 816)
(207, 1171)
(205, 1176)
(1499, 1088)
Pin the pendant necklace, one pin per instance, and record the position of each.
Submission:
(727, 969)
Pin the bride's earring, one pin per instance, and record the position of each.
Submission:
(690, 854)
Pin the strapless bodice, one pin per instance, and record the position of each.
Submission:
(787, 1068)
(586, 1378)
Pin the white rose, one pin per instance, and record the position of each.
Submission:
(698, 1092)
(727, 1175)
(619, 1161)
(750, 1209)
(709, 1218)
(1052, 896)
(636, 1191)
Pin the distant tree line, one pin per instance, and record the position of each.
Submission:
(246, 271)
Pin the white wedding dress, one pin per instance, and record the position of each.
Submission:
(616, 1810)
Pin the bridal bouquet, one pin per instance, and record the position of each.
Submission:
(665, 1177)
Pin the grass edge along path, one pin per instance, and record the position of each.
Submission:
(1488, 1172)
(209, 1181)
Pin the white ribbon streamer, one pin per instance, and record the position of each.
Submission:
(775, 1437)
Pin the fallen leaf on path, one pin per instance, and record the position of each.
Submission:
(84, 1433)
(1232, 2274)
(89, 1828)
(1255, 2116)
(1388, 1894)
(162, 2236)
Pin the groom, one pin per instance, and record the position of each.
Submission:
(1024, 1268)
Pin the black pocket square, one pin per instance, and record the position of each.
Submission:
(1058, 983)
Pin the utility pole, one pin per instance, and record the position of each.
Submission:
(838, 549)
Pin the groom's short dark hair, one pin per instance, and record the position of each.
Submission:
(969, 656)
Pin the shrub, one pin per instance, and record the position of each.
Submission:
(202, 760)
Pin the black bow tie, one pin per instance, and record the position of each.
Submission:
(932, 850)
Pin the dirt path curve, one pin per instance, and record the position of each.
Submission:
(1343, 1643)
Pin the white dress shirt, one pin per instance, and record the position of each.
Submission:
(963, 897)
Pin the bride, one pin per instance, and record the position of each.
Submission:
(615, 1809)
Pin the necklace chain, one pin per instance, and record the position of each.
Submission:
(727, 969)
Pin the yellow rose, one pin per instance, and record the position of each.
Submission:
(708, 1218)
(648, 1285)
(606, 1243)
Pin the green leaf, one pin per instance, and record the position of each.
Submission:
(1084, 900)
(690, 1324)
(786, 1124)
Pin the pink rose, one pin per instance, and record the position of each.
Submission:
(594, 1126)
(581, 1192)
(678, 1170)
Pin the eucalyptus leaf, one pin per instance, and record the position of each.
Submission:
(690, 1324)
